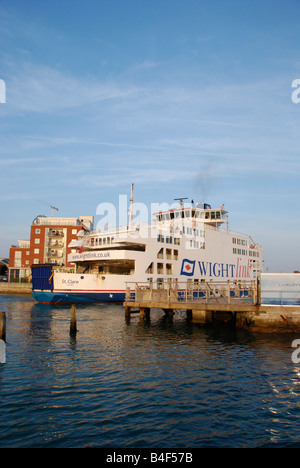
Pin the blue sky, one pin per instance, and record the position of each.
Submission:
(183, 98)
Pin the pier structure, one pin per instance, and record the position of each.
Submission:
(238, 302)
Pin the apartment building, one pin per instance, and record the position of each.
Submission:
(49, 243)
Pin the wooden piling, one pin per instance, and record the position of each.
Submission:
(2, 326)
(169, 312)
(144, 312)
(73, 327)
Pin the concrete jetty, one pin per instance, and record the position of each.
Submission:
(238, 302)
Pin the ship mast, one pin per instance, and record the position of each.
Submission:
(131, 206)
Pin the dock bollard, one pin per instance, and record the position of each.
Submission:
(73, 327)
(2, 326)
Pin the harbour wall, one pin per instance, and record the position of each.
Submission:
(15, 288)
(270, 319)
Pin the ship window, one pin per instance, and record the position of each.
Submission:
(150, 269)
(169, 268)
(160, 253)
(213, 215)
(169, 254)
(207, 215)
(160, 268)
(175, 254)
(218, 215)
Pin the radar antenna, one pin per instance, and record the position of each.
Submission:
(181, 200)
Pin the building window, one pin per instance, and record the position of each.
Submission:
(37, 231)
(36, 261)
(36, 241)
(36, 251)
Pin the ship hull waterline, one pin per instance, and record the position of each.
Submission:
(52, 297)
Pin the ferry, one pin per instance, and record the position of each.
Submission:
(188, 242)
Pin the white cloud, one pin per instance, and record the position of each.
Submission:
(45, 89)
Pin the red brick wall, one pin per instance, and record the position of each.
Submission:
(24, 257)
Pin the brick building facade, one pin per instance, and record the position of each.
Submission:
(49, 243)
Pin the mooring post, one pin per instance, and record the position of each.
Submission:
(144, 311)
(73, 328)
(2, 326)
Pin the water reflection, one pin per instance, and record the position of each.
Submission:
(2, 352)
(157, 381)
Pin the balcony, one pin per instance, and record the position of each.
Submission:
(56, 234)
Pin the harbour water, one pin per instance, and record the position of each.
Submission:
(159, 382)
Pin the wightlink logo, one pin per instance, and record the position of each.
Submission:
(215, 269)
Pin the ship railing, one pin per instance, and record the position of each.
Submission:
(222, 292)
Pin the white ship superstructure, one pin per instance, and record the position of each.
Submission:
(191, 242)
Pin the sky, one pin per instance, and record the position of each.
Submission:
(183, 98)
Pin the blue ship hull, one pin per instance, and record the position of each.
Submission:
(52, 297)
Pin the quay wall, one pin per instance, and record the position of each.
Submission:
(270, 319)
(15, 288)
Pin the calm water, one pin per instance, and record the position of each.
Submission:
(156, 383)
